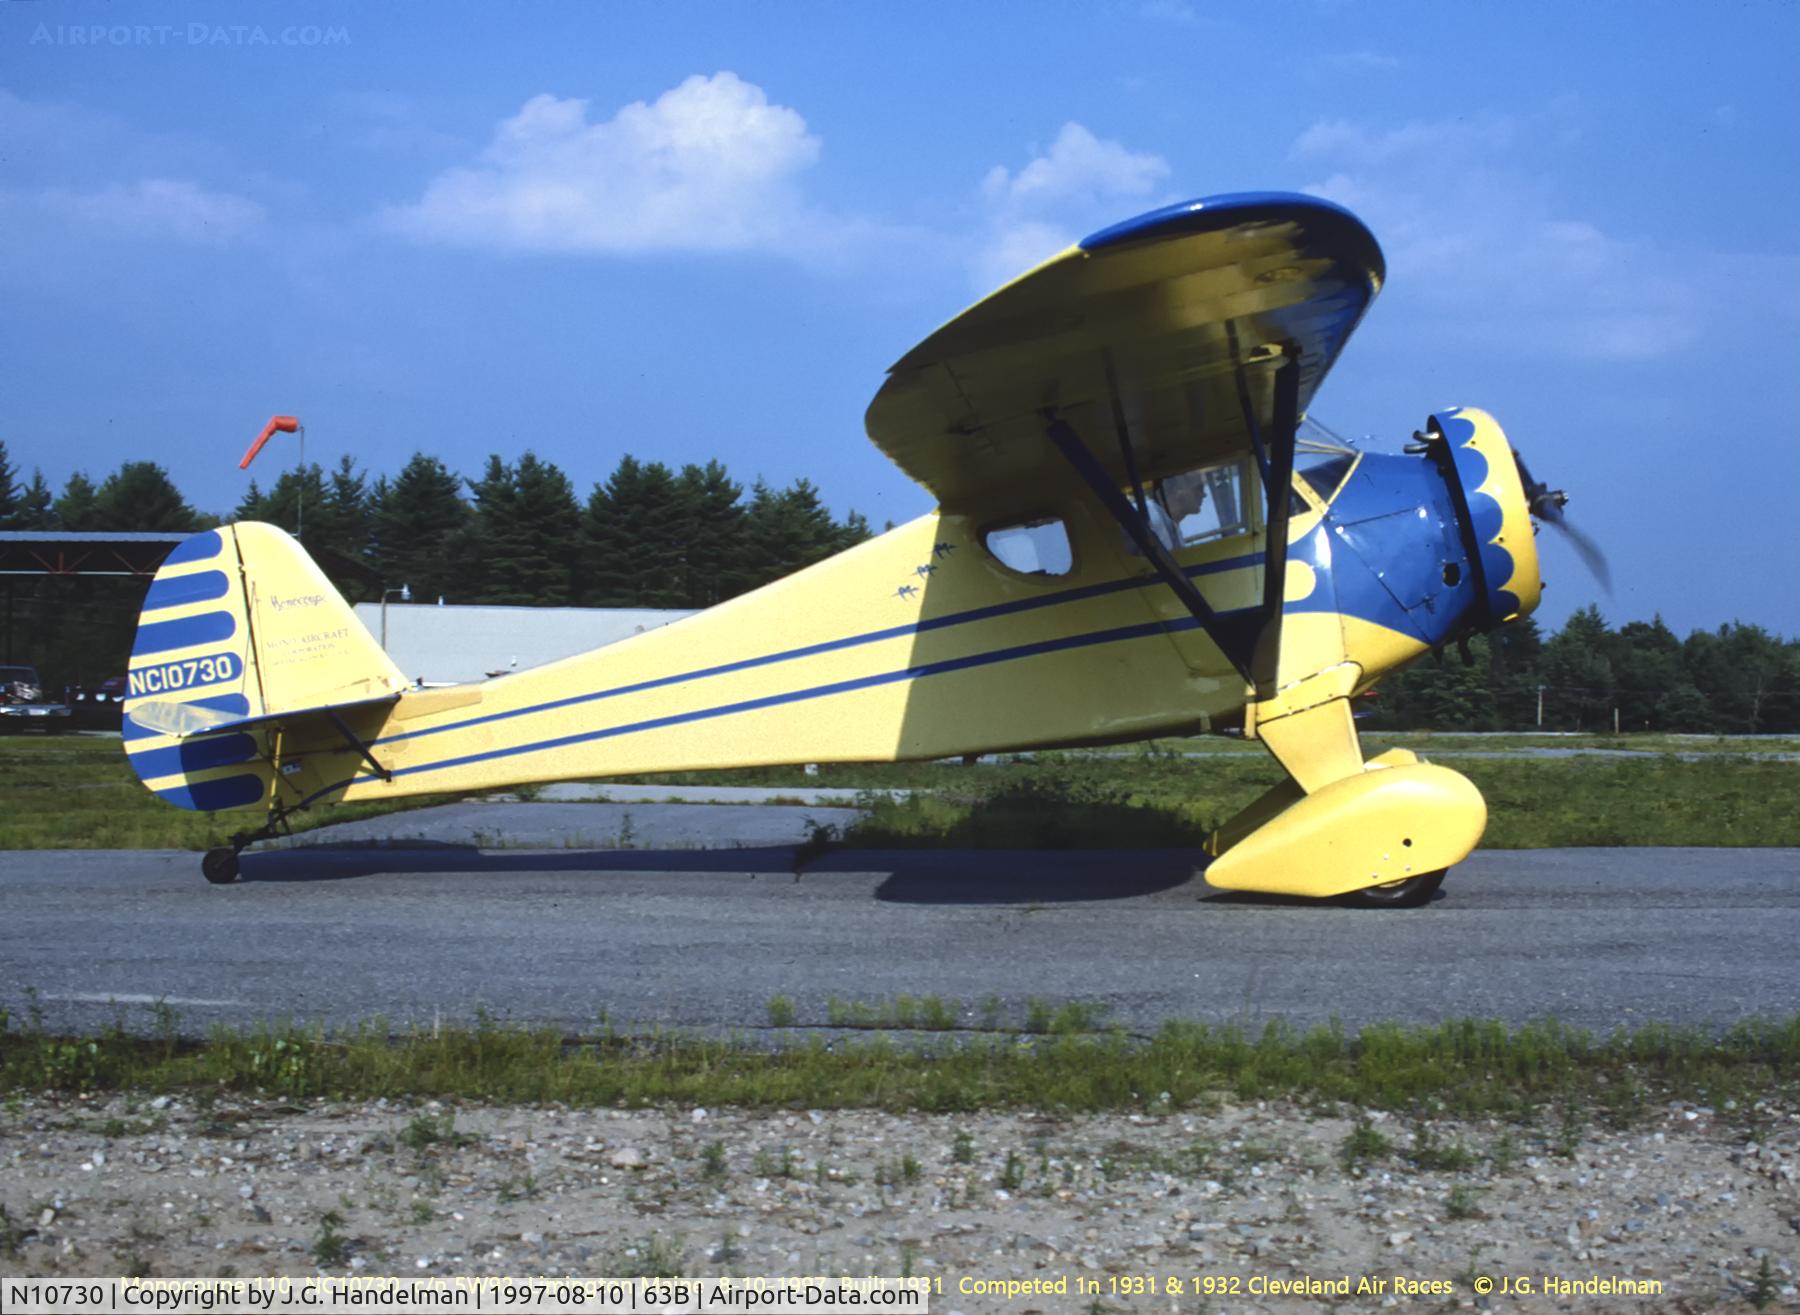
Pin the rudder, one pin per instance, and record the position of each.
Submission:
(239, 628)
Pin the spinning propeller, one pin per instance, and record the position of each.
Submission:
(1547, 505)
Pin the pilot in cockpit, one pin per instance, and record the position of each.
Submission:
(1172, 501)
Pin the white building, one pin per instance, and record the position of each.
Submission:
(449, 645)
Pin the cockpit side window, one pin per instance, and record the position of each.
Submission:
(1209, 503)
(1038, 547)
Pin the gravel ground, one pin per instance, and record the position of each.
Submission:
(1240, 1197)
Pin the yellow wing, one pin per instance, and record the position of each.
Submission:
(1146, 323)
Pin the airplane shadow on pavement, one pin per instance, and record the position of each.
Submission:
(907, 876)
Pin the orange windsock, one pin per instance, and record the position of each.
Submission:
(283, 424)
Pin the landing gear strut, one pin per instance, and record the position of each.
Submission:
(220, 865)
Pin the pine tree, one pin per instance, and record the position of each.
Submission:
(635, 539)
(787, 530)
(550, 524)
(139, 495)
(713, 519)
(37, 505)
(854, 530)
(253, 506)
(76, 508)
(347, 504)
(528, 527)
(297, 503)
(303, 488)
(9, 491)
(419, 530)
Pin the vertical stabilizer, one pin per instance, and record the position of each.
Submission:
(239, 626)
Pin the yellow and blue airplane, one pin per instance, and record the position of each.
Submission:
(1132, 539)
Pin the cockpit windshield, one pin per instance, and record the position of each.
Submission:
(1323, 465)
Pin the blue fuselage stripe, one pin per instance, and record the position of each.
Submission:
(1116, 635)
(834, 645)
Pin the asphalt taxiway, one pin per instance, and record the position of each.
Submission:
(694, 916)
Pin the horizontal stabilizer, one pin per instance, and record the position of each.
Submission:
(183, 720)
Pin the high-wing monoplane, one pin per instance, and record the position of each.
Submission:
(1133, 538)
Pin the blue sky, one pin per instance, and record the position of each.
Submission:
(694, 231)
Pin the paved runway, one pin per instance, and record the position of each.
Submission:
(677, 933)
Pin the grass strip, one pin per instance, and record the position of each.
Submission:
(1467, 1067)
(1163, 803)
(68, 792)
(81, 794)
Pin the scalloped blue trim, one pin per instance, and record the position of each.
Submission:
(1486, 514)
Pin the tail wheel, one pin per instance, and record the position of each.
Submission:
(1411, 893)
(220, 865)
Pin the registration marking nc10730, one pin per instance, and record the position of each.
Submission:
(168, 677)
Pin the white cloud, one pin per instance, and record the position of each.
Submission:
(709, 165)
(161, 207)
(76, 173)
(1483, 246)
(1345, 141)
(1079, 166)
(1056, 197)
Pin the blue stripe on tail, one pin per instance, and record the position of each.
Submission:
(162, 636)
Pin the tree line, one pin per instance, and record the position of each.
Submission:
(646, 536)
(1735, 680)
(650, 536)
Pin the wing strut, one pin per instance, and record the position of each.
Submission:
(1251, 644)
(1277, 462)
(1233, 639)
(351, 738)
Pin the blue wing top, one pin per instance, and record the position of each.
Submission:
(1157, 320)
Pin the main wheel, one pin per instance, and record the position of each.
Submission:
(220, 865)
(1408, 894)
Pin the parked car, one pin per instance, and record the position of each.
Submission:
(99, 707)
(22, 703)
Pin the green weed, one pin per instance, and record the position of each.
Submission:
(424, 1131)
(1012, 1177)
(1463, 1202)
(1431, 1153)
(1766, 1286)
(330, 1248)
(1363, 1144)
(650, 1257)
